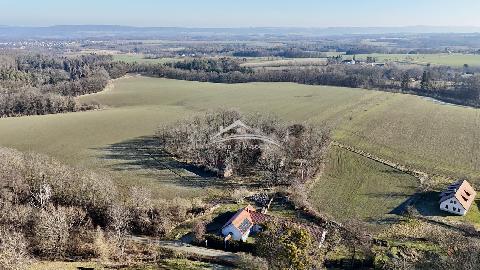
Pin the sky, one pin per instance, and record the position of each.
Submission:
(241, 13)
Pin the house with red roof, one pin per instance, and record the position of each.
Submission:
(245, 221)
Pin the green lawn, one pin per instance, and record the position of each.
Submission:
(357, 187)
(412, 130)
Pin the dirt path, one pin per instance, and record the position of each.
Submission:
(212, 255)
(109, 87)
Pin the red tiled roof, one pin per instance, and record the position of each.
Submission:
(247, 213)
(240, 217)
(259, 218)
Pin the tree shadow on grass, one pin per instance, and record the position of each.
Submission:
(145, 154)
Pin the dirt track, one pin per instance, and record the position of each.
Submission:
(213, 255)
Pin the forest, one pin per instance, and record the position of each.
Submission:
(37, 84)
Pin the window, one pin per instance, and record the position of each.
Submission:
(446, 206)
(465, 199)
(458, 210)
(451, 201)
(245, 225)
(468, 194)
(454, 202)
(454, 209)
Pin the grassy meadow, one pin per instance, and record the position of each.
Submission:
(140, 58)
(445, 59)
(357, 187)
(409, 129)
(284, 62)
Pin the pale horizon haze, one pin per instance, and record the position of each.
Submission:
(246, 13)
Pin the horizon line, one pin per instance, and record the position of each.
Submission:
(242, 27)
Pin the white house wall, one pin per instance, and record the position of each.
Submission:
(230, 229)
(236, 234)
(450, 204)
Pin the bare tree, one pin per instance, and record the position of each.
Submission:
(13, 250)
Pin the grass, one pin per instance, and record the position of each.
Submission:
(455, 60)
(435, 138)
(412, 130)
(356, 187)
(427, 205)
(184, 264)
(284, 62)
(64, 265)
(140, 58)
(170, 264)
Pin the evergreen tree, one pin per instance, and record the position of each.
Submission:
(425, 84)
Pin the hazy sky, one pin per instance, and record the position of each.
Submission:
(225, 13)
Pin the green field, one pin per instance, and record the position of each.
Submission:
(456, 60)
(284, 62)
(140, 58)
(412, 130)
(357, 187)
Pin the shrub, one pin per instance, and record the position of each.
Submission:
(287, 246)
(13, 250)
(51, 232)
(247, 262)
(199, 230)
(238, 195)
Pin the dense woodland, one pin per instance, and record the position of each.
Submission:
(52, 211)
(36, 84)
(295, 155)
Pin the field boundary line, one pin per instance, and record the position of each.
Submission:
(420, 175)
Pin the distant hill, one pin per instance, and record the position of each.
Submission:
(130, 32)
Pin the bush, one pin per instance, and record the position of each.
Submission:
(217, 242)
(51, 232)
(199, 230)
(13, 250)
(247, 262)
(238, 195)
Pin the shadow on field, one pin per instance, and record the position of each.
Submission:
(145, 153)
(427, 204)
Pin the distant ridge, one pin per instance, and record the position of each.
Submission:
(119, 31)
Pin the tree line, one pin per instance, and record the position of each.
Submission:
(451, 84)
